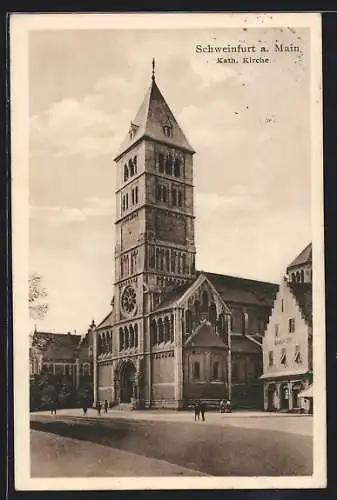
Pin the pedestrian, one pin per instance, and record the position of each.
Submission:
(197, 410)
(228, 406)
(85, 409)
(53, 407)
(203, 411)
(106, 406)
(98, 407)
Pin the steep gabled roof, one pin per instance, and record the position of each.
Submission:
(57, 346)
(242, 290)
(242, 344)
(106, 322)
(303, 296)
(304, 257)
(171, 295)
(205, 336)
(152, 115)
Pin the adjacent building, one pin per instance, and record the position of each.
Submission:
(61, 354)
(287, 344)
(173, 333)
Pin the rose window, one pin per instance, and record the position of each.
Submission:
(129, 300)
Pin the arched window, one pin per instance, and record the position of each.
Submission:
(297, 277)
(172, 328)
(135, 163)
(168, 165)
(183, 261)
(204, 303)
(179, 264)
(132, 336)
(196, 371)
(121, 339)
(167, 260)
(302, 276)
(136, 335)
(161, 163)
(180, 198)
(99, 345)
(293, 277)
(215, 371)
(188, 320)
(177, 168)
(159, 193)
(154, 336)
(174, 197)
(197, 310)
(126, 338)
(164, 194)
(166, 329)
(160, 331)
(212, 314)
(244, 318)
(173, 262)
(126, 172)
(131, 168)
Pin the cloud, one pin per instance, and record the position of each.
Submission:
(93, 207)
(90, 127)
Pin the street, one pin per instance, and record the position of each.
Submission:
(169, 443)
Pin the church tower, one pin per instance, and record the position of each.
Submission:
(155, 247)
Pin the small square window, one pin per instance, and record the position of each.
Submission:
(291, 325)
(283, 358)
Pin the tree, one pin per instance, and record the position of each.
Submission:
(38, 308)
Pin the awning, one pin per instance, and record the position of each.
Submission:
(307, 393)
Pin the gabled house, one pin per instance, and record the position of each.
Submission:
(287, 344)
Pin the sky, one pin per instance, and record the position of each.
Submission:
(249, 125)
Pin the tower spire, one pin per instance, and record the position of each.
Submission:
(153, 68)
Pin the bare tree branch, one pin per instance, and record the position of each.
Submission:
(37, 307)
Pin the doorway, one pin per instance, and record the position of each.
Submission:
(127, 382)
(271, 398)
(284, 397)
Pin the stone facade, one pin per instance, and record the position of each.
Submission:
(287, 345)
(168, 337)
(61, 354)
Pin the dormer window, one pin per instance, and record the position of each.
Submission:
(167, 130)
(132, 131)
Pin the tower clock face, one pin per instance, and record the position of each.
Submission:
(129, 300)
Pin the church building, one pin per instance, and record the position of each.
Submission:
(173, 333)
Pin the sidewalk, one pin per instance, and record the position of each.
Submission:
(285, 422)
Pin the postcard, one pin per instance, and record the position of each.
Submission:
(168, 252)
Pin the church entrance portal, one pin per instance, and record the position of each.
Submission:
(127, 382)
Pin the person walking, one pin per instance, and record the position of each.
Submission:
(197, 410)
(106, 406)
(98, 407)
(228, 406)
(203, 411)
(85, 409)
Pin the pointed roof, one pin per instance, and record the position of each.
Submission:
(303, 295)
(305, 257)
(152, 116)
(205, 336)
